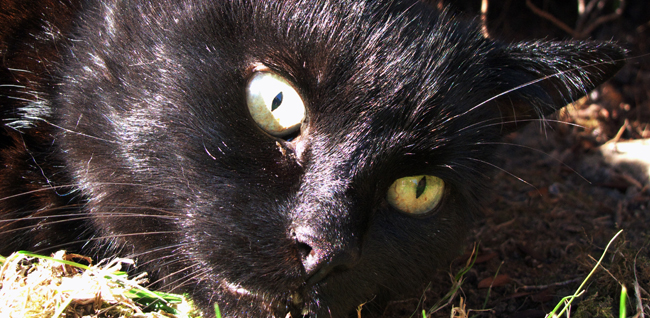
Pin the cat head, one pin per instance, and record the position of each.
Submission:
(172, 124)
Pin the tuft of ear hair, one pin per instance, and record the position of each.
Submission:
(537, 78)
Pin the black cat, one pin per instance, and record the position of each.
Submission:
(273, 157)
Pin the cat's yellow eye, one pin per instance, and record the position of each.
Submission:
(416, 194)
(274, 104)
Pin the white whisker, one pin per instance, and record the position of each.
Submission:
(506, 171)
(150, 251)
(518, 87)
(77, 133)
(185, 279)
(544, 120)
(101, 238)
(172, 274)
(538, 151)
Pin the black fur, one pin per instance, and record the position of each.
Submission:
(126, 131)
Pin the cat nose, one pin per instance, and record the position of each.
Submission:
(321, 256)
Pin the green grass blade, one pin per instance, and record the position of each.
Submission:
(62, 308)
(622, 305)
(217, 312)
(30, 254)
(579, 291)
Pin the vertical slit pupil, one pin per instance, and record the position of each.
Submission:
(422, 185)
(277, 101)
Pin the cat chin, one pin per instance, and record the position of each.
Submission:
(260, 304)
(291, 304)
(305, 302)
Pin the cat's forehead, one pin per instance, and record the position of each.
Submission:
(361, 50)
(388, 39)
(370, 53)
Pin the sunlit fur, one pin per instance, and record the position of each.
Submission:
(126, 131)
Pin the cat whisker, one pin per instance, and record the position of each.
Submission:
(484, 123)
(506, 171)
(146, 186)
(132, 234)
(33, 226)
(542, 120)
(469, 168)
(50, 188)
(329, 310)
(54, 248)
(20, 99)
(114, 209)
(66, 220)
(72, 186)
(175, 273)
(167, 214)
(116, 142)
(532, 82)
(170, 259)
(202, 276)
(19, 70)
(538, 151)
(79, 216)
(49, 214)
(106, 237)
(12, 85)
(39, 213)
(172, 246)
(185, 279)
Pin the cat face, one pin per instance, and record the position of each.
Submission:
(299, 157)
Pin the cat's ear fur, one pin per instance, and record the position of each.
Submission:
(535, 79)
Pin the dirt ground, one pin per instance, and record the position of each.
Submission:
(556, 203)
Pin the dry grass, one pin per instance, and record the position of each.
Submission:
(39, 286)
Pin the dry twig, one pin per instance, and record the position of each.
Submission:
(589, 17)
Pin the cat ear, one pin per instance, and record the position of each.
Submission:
(535, 79)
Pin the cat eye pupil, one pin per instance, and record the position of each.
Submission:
(277, 101)
(422, 185)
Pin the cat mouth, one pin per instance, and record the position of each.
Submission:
(292, 305)
(297, 306)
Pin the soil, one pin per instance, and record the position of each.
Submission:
(556, 203)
